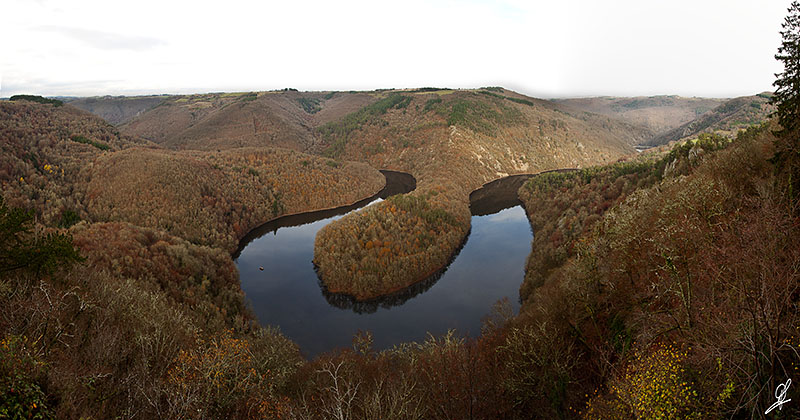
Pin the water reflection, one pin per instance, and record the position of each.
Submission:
(488, 268)
(396, 183)
(496, 196)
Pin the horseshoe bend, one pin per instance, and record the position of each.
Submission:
(396, 253)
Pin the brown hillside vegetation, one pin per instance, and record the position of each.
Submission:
(45, 153)
(657, 114)
(229, 120)
(452, 142)
(679, 301)
(682, 299)
(149, 326)
(117, 109)
(69, 166)
(563, 207)
(727, 118)
(214, 198)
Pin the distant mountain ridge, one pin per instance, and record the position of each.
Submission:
(116, 109)
(729, 117)
(293, 120)
(657, 114)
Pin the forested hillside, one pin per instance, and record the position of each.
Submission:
(230, 120)
(668, 286)
(451, 141)
(119, 294)
(117, 109)
(727, 118)
(216, 198)
(660, 286)
(46, 154)
(69, 166)
(657, 114)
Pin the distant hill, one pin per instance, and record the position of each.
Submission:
(451, 141)
(658, 114)
(474, 135)
(70, 165)
(45, 153)
(116, 109)
(296, 120)
(729, 117)
(229, 120)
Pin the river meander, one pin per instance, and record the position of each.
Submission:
(287, 292)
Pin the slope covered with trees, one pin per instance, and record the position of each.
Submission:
(727, 118)
(216, 198)
(657, 114)
(230, 120)
(104, 318)
(148, 326)
(656, 307)
(69, 166)
(45, 156)
(699, 271)
(117, 109)
(564, 206)
(452, 142)
(666, 285)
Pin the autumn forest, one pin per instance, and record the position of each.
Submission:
(662, 280)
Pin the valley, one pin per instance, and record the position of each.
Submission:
(402, 242)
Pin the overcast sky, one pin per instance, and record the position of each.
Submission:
(557, 48)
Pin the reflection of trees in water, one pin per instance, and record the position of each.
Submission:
(396, 183)
(344, 301)
(496, 196)
(501, 194)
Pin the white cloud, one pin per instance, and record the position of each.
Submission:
(104, 40)
(567, 48)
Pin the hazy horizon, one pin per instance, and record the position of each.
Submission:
(189, 92)
(575, 48)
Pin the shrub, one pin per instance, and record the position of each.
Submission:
(427, 89)
(36, 98)
(21, 374)
(84, 140)
(479, 116)
(430, 103)
(520, 101)
(309, 105)
(247, 97)
(220, 378)
(68, 218)
(655, 386)
(20, 249)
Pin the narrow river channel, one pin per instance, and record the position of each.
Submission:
(287, 293)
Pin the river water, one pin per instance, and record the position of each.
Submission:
(287, 293)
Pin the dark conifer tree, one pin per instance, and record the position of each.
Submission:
(787, 94)
(787, 100)
(20, 249)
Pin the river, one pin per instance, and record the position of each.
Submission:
(287, 293)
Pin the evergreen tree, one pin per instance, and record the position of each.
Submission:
(787, 94)
(787, 100)
(20, 249)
